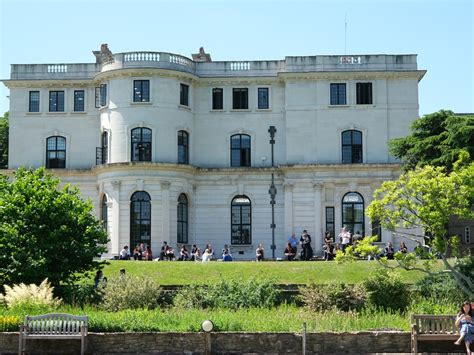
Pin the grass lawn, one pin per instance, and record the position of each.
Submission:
(297, 272)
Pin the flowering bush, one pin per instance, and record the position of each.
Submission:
(30, 296)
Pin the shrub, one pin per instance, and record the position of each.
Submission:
(326, 297)
(466, 266)
(30, 296)
(421, 305)
(46, 231)
(232, 294)
(9, 323)
(440, 287)
(130, 292)
(79, 295)
(386, 290)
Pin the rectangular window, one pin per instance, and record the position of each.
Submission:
(217, 99)
(364, 93)
(103, 95)
(263, 103)
(34, 101)
(330, 220)
(377, 230)
(97, 97)
(240, 99)
(78, 100)
(184, 95)
(338, 94)
(56, 101)
(141, 91)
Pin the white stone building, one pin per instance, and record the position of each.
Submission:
(174, 149)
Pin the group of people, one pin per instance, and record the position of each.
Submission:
(291, 248)
(330, 249)
(140, 252)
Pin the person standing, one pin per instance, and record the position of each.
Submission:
(306, 249)
(344, 238)
(259, 253)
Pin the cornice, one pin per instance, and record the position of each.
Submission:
(241, 80)
(353, 75)
(130, 72)
(221, 80)
(46, 83)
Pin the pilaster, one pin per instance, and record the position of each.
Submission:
(318, 241)
(165, 210)
(288, 186)
(115, 230)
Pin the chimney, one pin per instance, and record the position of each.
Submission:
(202, 56)
(103, 54)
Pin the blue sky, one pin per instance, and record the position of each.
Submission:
(439, 31)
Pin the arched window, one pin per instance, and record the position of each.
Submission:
(140, 219)
(182, 219)
(183, 147)
(353, 213)
(241, 219)
(104, 216)
(105, 147)
(351, 147)
(141, 144)
(55, 152)
(240, 150)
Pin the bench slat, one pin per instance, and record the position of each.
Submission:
(54, 326)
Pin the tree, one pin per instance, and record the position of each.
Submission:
(423, 200)
(45, 231)
(4, 141)
(436, 139)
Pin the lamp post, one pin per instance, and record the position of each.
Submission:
(272, 191)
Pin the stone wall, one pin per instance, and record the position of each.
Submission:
(230, 343)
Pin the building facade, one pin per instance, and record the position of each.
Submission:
(177, 150)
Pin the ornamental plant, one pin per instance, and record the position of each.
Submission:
(30, 296)
(46, 231)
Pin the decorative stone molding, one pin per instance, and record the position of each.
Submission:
(116, 184)
(165, 185)
(317, 185)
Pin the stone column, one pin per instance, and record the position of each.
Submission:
(115, 230)
(192, 216)
(318, 241)
(165, 211)
(288, 209)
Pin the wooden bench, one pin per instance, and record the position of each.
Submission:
(53, 326)
(429, 327)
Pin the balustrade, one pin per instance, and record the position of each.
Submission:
(57, 68)
(177, 59)
(141, 57)
(240, 66)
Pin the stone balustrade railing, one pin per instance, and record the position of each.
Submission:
(162, 60)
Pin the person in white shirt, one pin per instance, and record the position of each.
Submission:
(125, 253)
(345, 238)
(206, 256)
